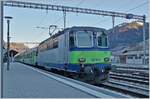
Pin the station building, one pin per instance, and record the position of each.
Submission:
(130, 57)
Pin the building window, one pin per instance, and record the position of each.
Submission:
(130, 57)
(137, 57)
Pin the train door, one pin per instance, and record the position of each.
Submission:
(61, 49)
(66, 51)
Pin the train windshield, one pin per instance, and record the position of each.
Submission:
(102, 39)
(84, 39)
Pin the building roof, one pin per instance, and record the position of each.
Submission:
(135, 52)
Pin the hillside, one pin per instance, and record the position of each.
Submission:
(127, 34)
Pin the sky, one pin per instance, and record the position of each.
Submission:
(25, 21)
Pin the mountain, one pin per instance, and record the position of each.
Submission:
(127, 34)
(17, 46)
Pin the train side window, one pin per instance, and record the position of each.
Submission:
(99, 40)
(42, 47)
(55, 43)
(71, 40)
(49, 44)
(102, 40)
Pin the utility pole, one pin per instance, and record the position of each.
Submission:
(8, 40)
(113, 25)
(64, 15)
(144, 40)
(1, 48)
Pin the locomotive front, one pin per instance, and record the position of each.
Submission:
(89, 53)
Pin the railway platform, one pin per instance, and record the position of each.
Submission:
(23, 81)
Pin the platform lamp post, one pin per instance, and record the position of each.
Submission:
(8, 39)
(1, 48)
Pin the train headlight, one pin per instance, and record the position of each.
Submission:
(106, 59)
(82, 60)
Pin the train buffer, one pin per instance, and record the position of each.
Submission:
(23, 81)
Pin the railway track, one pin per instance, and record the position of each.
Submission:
(139, 71)
(135, 85)
(130, 78)
(128, 89)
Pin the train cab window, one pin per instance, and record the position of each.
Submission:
(84, 39)
(71, 40)
(102, 40)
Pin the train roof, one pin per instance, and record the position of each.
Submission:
(86, 28)
(75, 28)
